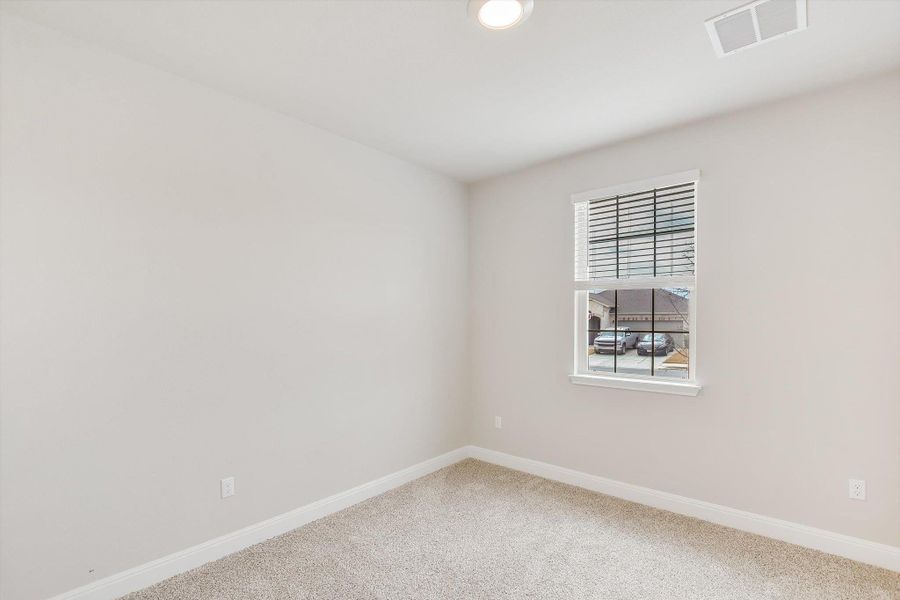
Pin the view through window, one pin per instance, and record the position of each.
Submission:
(639, 332)
(635, 254)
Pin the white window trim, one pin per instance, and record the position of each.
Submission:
(581, 375)
(682, 388)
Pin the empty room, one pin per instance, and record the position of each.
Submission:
(449, 299)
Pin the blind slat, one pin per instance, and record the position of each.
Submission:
(646, 233)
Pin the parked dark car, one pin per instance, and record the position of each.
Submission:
(658, 344)
(615, 341)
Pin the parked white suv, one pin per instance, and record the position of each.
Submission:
(615, 341)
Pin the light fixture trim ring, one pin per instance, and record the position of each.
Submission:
(475, 6)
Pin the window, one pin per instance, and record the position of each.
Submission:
(635, 258)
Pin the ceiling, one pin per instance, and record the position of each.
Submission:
(420, 80)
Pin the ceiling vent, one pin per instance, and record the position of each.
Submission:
(754, 23)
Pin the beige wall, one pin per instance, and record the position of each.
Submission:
(195, 288)
(798, 320)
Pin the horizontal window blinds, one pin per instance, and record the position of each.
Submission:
(647, 233)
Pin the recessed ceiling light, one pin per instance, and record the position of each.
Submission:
(501, 14)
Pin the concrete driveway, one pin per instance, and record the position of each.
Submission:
(632, 363)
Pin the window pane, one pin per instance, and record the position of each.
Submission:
(601, 310)
(635, 234)
(633, 320)
(639, 332)
(672, 322)
(648, 233)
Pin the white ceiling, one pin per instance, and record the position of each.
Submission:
(419, 79)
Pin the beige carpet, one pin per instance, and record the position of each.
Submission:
(477, 531)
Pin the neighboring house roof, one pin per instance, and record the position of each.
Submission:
(637, 302)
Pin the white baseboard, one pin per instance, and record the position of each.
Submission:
(155, 571)
(872, 553)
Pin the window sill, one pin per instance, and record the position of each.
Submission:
(677, 388)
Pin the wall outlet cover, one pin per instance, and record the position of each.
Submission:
(227, 487)
(857, 489)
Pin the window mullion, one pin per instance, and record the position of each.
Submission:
(652, 331)
(618, 237)
(616, 331)
(654, 232)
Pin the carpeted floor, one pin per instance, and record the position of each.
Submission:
(476, 531)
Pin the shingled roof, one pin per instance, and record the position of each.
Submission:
(637, 302)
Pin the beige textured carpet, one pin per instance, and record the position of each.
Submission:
(478, 531)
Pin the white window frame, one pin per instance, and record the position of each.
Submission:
(581, 374)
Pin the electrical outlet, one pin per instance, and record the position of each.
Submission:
(227, 487)
(857, 489)
(498, 423)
